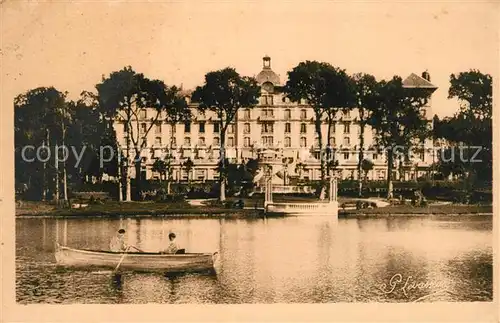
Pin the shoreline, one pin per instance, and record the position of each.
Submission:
(241, 216)
(177, 211)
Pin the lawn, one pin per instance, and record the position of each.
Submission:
(433, 209)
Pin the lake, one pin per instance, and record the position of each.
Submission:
(280, 260)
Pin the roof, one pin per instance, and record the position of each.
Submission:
(268, 75)
(415, 81)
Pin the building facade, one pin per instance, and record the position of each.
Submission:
(279, 132)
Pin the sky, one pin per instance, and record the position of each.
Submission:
(71, 45)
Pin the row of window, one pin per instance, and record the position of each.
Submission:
(265, 128)
(266, 141)
(287, 113)
(267, 100)
(202, 174)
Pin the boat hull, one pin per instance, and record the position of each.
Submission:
(330, 208)
(134, 261)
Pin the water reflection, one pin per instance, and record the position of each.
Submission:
(299, 259)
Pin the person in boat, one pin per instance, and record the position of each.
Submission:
(172, 247)
(117, 243)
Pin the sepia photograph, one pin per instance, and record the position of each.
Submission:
(226, 153)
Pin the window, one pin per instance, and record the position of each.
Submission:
(187, 141)
(173, 129)
(230, 142)
(288, 114)
(422, 154)
(347, 128)
(316, 141)
(125, 127)
(158, 128)
(142, 114)
(267, 100)
(246, 142)
(303, 128)
(288, 142)
(201, 141)
(246, 128)
(173, 142)
(267, 141)
(246, 114)
(267, 128)
(303, 142)
(145, 141)
(347, 141)
(187, 127)
(202, 127)
(143, 128)
(216, 127)
(375, 156)
(230, 128)
(200, 174)
(303, 114)
(267, 113)
(331, 141)
(347, 113)
(346, 156)
(216, 141)
(288, 127)
(332, 128)
(158, 141)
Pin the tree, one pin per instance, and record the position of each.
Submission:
(366, 166)
(93, 134)
(188, 166)
(326, 89)
(224, 93)
(366, 100)
(332, 165)
(398, 120)
(473, 89)
(300, 168)
(124, 95)
(160, 166)
(470, 129)
(38, 116)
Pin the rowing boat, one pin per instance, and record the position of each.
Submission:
(135, 261)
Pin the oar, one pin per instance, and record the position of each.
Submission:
(121, 260)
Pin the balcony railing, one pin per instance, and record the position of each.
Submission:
(267, 118)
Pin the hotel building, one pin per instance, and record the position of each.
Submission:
(279, 132)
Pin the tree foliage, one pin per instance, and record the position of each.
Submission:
(124, 94)
(470, 129)
(326, 89)
(224, 93)
(366, 102)
(38, 115)
(399, 120)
